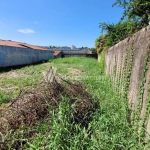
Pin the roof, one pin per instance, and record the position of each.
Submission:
(21, 45)
(56, 53)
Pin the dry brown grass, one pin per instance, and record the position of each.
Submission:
(27, 109)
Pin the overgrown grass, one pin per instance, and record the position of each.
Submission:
(25, 78)
(109, 127)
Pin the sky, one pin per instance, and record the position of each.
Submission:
(56, 22)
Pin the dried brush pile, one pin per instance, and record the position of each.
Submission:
(27, 109)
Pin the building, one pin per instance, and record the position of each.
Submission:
(73, 47)
(14, 53)
(57, 54)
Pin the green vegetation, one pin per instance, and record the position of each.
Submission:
(135, 17)
(16, 80)
(109, 127)
(137, 11)
(93, 50)
(144, 121)
(102, 63)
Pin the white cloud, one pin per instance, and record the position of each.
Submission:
(26, 31)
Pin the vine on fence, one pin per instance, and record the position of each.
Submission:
(144, 121)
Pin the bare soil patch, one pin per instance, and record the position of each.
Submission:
(12, 74)
(75, 72)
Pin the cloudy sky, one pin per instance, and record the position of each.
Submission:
(55, 22)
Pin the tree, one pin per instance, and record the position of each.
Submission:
(135, 11)
(100, 43)
(113, 34)
(93, 50)
(136, 16)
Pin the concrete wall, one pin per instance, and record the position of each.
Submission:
(128, 65)
(12, 56)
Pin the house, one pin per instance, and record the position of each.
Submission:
(57, 54)
(14, 53)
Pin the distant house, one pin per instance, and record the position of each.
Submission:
(57, 54)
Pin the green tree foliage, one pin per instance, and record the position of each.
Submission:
(135, 10)
(100, 43)
(113, 34)
(52, 46)
(136, 16)
(93, 50)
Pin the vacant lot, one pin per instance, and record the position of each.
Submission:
(80, 110)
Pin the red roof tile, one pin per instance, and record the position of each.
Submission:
(19, 44)
(10, 43)
(32, 46)
(56, 52)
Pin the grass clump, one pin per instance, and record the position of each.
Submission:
(28, 109)
(82, 115)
